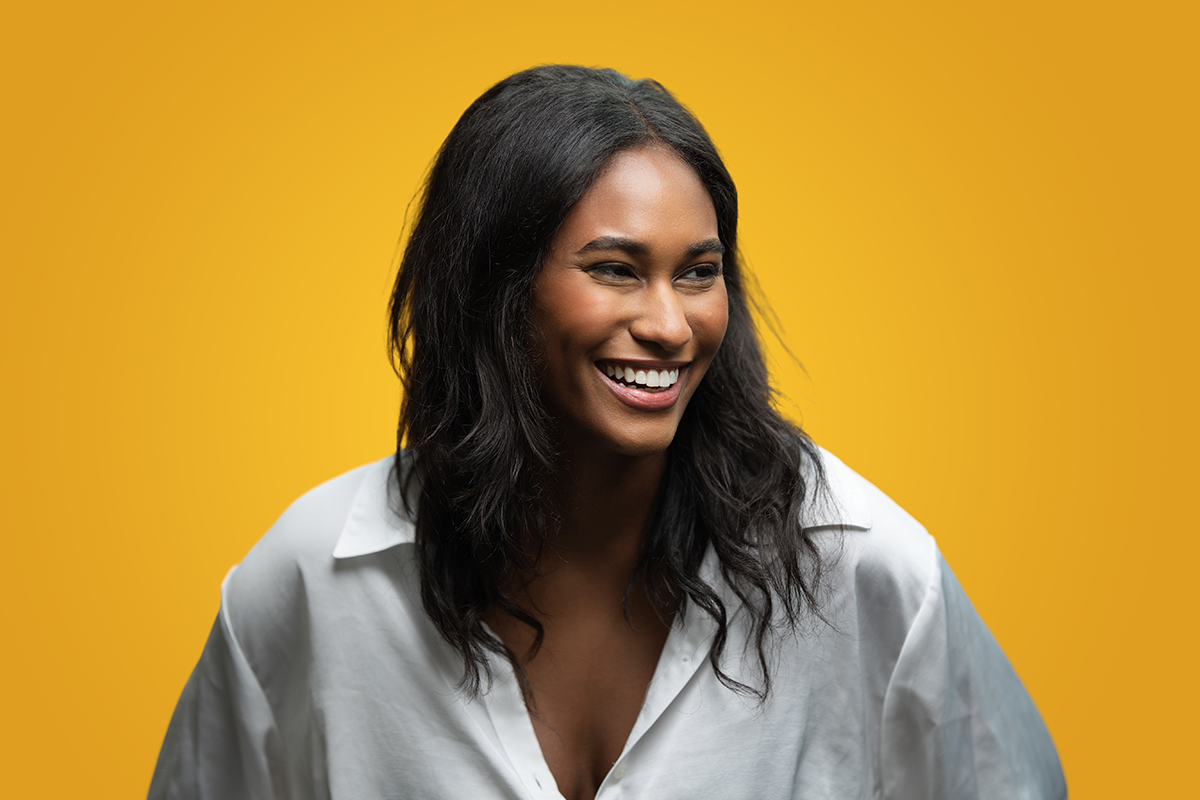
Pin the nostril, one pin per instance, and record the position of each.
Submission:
(664, 324)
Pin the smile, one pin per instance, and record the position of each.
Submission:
(638, 377)
(632, 382)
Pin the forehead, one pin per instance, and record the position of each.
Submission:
(647, 194)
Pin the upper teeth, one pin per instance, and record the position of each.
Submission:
(651, 378)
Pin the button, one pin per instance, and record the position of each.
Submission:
(619, 771)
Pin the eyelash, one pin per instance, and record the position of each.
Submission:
(613, 269)
(619, 270)
(713, 271)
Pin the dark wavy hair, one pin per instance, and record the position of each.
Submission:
(513, 167)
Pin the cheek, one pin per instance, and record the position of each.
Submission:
(569, 335)
(711, 319)
(582, 325)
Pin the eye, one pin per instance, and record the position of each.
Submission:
(612, 271)
(701, 274)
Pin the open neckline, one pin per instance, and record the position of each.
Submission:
(684, 652)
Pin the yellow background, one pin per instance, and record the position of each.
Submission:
(976, 221)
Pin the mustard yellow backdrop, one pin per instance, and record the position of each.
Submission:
(977, 223)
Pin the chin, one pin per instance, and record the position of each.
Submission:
(641, 446)
(642, 450)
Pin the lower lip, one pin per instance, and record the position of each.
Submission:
(646, 401)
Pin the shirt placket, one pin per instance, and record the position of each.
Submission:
(684, 652)
(685, 649)
(508, 713)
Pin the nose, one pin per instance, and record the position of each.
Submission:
(661, 319)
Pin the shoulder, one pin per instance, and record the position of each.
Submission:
(878, 551)
(298, 554)
(951, 710)
(310, 527)
(946, 708)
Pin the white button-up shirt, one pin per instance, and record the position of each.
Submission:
(323, 678)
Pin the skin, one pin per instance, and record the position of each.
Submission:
(633, 276)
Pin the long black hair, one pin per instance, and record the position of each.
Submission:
(506, 177)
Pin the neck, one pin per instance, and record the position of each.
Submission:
(606, 500)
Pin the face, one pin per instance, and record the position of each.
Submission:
(630, 306)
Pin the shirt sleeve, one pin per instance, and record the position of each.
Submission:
(957, 723)
(222, 743)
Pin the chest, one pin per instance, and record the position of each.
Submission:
(379, 716)
(586, 686)
(687, 736)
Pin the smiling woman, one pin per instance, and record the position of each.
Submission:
(600, 562)
(630, 306)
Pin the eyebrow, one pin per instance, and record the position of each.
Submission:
(635, 248)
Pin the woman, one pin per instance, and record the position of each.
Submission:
(600, 562)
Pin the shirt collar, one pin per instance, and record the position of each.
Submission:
(377, 521)
(840, 502)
